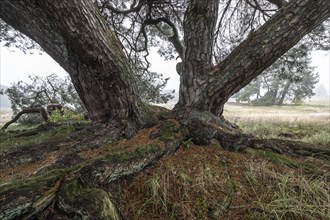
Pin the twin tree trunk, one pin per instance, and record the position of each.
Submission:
(75, 34)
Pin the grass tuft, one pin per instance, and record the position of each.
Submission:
(323, 137)
(289, 195)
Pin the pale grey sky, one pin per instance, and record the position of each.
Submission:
(15, 65)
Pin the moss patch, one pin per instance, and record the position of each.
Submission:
(84, 202)
(282, 159)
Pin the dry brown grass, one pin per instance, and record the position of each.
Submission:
(303, 123)
(290, 195)
(210, 183)
(305, 114)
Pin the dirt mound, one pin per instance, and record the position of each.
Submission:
(195, 182)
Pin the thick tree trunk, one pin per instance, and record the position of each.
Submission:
(76, 36)
(263, 47)
(199, 26)
(284, 93)
(274, 93)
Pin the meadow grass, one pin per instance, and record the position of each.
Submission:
(308, 123)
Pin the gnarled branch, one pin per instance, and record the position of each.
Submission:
(174, 39)
(278, 3)
(44, 112)
(133, 8)
(40, 110)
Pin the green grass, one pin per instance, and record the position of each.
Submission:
(276, 158)
(12, 138)
(322, 137)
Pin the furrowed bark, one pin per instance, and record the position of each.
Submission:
(262, 48)
(76, 36)
(199, 24)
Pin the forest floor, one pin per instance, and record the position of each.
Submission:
(200, 182)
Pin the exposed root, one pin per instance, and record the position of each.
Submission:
(81, 192)
(290, 147)
(203, 127)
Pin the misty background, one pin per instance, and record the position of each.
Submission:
(15, 66)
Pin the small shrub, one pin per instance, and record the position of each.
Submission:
(66, 115)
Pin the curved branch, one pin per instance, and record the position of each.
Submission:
(44, 111)
(222, 17)
(258, 7)
(174, 39)
(54, 106)
(37, 95)
(278, 3)
(125, 12)
(40, 110)
(145, 36)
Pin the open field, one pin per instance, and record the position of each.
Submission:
(308, 123)
(286, 113)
